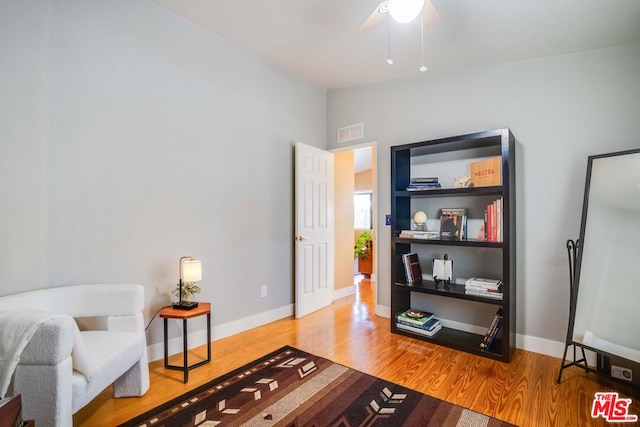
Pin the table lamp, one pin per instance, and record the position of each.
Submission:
(190, 271)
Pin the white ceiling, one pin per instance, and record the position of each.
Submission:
(320, 41)
(362, 159)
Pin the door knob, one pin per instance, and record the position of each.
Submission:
(300, 238)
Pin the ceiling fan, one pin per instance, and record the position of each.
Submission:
(401, 11)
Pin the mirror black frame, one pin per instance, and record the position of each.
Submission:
(575, 262)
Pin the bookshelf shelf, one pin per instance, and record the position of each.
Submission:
(460, 340)
(480, 258)
(441, 192)
(464, 242)
(452, 291)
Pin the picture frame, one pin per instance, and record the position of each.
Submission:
(453, 223)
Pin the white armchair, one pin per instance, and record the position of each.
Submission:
(86, 338)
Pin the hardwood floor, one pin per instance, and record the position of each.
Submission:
(523, 392)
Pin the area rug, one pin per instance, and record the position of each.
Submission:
(290, 387)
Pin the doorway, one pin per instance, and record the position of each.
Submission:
(355, 179)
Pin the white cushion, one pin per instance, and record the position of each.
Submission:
(109, 351)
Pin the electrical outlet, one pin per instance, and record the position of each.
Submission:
(621, 373)
(263, 291)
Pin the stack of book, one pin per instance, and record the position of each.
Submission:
(418, 234)
(490, 288)
(419, 322)
(493, 221)
(412, 267)
(491, 333)
(423, 183)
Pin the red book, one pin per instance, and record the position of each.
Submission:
(489, 223)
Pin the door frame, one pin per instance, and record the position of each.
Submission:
(374, 218)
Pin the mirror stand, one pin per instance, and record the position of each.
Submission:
(572, 251)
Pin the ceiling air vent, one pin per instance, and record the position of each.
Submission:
(351, 133)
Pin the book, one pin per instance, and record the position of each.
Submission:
(412, 267)
(418, 234)
(418, 330)
(424, 180)
(483, 281)
(494, 221)
(493, 295)
(415, 317)
(487, 172)
(492, 330)
(428, 326)
(493, 334)
(453, 223)
(423, 186)
(483, 284)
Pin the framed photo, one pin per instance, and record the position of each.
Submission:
(453, 223)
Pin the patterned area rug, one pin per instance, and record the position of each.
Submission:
(290, 387)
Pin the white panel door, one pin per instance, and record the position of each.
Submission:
(314, 239)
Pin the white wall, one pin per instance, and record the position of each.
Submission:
(158, 140)
(23, 88)
(560, 109)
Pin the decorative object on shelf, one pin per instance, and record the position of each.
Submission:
(452, 223)
(443, 270)
(463, 181)
(190, 272)
(486, 173)
(420, 219)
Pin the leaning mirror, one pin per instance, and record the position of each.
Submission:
(605, 316)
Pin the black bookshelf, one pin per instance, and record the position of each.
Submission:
(404, 158)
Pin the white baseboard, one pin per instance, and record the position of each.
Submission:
(383, 311)
(198, 338)
(343, 292)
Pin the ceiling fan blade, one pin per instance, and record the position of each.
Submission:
(376, 17)
(429, 14)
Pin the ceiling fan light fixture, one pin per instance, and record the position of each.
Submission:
(405, 10)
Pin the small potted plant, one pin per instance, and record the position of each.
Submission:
(363, 252)
(189, 289)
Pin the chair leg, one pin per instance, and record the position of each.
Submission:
(134, 382)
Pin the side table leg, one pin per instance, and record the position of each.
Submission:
(184, 342)
(209, 336)
(166, 342)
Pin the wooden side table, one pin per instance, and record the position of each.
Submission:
(171, 313)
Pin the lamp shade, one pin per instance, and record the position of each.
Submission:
(191, 270)
(405, 10)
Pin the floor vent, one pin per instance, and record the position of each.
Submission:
(351, 133)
